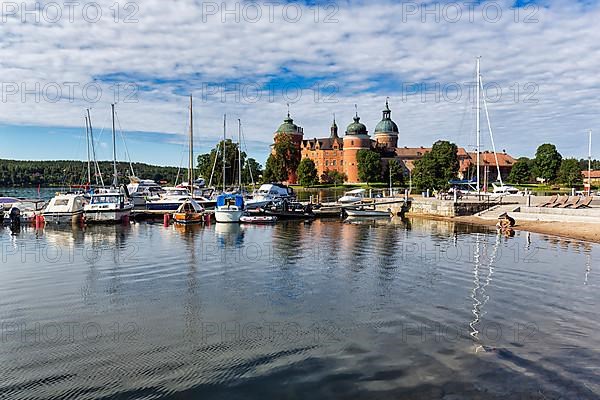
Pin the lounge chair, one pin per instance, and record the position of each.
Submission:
(585, 203)
(571, 203)
(551, 201)
(562, 200)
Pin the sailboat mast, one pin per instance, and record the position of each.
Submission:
(240, 153)
(97, 171)
(478, 125)
(590, 164)
(224, 147)
(87, 142)
(114, 137)
(191, 152)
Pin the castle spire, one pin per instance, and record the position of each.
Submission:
(334, 129)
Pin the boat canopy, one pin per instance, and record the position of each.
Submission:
(190, 205)
(356, 191)
(463, 182)
(230, 199)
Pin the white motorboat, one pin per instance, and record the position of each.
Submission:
(25, 210)
(505, 189)
(230, 208)
(7, 202)
(353, 196)
(106, 206)
(140, 189)
(64, 208)
(170, 200)
(367, 212)
(267, 193)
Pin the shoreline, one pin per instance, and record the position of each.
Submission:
(572, 230)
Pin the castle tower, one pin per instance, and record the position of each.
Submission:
(356, 138)
(334, 129)
(296, 134)
(386, 131)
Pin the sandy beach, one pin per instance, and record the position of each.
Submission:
(574, 230)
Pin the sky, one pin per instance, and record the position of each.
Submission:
(249, 60)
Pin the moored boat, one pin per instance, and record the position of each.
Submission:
(267, 193)
(367, 212)
(353, 196)
(258, 219)
(189, 212)
(64, 208)
(284, 209)
(107, 206)
(230, 208)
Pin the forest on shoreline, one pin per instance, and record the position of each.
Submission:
(16, 173)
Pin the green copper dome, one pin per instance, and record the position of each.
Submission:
(356, 128)
(288, 126)
(386, 125)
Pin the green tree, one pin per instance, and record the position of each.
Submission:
(397, 172)
(521, 171)
(369, 166)
(206, 162)
(547, 162)
(436, 168)
(252, 171)
(570, 172)
(307, 173)
(275, 170)
(333, 176)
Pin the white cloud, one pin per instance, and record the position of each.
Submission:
(171, 51)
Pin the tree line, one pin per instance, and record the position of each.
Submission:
(71, 172)
(549, 166)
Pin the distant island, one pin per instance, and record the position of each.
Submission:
(14, 173)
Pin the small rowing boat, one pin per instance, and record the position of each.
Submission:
(189, 212)
(258, 219)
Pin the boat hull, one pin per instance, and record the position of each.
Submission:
(367, 213)
(159, 206)
(63, 217)
(106, 217)
(259, 219)
(228, 216)
(188, 218)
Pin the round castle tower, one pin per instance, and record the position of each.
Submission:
(386, 131)
(356, 138)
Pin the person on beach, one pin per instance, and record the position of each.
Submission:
(505, 224)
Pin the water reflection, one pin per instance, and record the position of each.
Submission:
(478, 293)
(229, 235)
(366, 283)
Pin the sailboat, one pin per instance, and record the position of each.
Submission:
(68, 208)
(500, 189)
(190, 211)
(109, 205)
(230, 207)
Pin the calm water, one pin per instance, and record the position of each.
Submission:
(413, 309)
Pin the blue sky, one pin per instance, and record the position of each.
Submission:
(321, 57)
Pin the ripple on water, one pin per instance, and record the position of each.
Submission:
(398, 308)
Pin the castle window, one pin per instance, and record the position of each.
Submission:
(333, 163)
(352, 143)
(326, 163)
(341, 162)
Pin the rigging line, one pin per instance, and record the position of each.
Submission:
(487, 116)
(97, 171)
(212, 173)
(184, 151)
(247, 163)
(124, 143)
